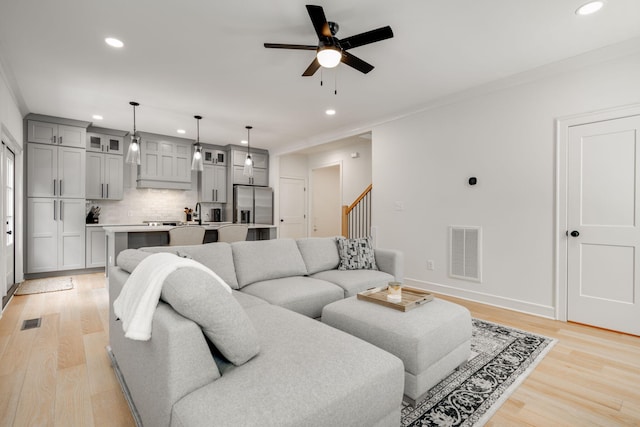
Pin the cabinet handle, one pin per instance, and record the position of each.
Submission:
(60, 184)
(216, 195)
(54, 139)
(54, 187)
(213, 195)
(102, 190)
(60, 140)
(61, 210)
(107, 191)
(54, 210)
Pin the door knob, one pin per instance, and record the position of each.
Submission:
(575, 233)
(281, 220)
(9, 232)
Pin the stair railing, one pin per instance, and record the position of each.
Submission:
(356, 218)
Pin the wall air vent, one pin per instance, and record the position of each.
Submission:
(465, 260)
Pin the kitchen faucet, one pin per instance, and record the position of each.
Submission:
(199, 213)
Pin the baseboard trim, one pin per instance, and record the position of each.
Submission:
(123, 386)
(493, 300)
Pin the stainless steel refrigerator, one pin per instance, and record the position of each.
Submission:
(252, 205)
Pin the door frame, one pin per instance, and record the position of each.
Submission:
(311, 189)
(7, 292)
(561, 201)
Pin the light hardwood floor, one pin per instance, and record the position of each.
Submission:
(60, 375)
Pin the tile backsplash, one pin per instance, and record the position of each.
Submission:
(146, 204)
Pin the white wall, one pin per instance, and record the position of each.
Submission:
(11, 130)
(293, 166)
(507, 140)
(356, 172)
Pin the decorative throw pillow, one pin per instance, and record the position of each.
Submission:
(196, 296)
(356, 254)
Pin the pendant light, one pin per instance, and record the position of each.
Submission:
(248, 162)
(196, 163)
(133, 154)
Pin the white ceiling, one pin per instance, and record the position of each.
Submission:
(206, 57)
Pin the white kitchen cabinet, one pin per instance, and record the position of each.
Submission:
(55, 171)
(260, 176)
(260, 160)
(103, 143)
(260, 168)
(55, 234)
(104, 177)
(164, 164)
(95, 247)
(56, 134)
(213, 184)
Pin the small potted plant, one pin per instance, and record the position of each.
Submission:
(188, 212)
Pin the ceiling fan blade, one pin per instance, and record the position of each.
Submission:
(312, 68)
(290, 46)
(357, 63)
(366, 38)
(319, 21)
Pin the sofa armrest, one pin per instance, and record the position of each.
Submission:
(159, 372)
(390, 261)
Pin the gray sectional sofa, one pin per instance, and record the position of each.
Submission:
(192, 372)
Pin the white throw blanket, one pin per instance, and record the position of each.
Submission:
(141, 292)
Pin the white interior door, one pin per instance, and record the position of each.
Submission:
(292, 208)
(326, 200)
(603, 218)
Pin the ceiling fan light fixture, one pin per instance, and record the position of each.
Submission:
(197, 163)
(329, 56)
(133, 153)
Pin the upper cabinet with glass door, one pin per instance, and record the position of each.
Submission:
(104, 143)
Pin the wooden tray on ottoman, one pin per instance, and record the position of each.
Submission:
(411, 297)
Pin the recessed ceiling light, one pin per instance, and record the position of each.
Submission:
(244, 142)
(97, 117)
(330, 112)
(589, 8)
(181, 131)
(113, 42)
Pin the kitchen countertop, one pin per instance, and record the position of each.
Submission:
(141, 228)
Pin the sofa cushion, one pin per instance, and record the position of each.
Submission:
(354, 281)
(303, 295)
(196, 296)
(319, 253)
(217, 256)
(266, 259)
(307, 374)
(129, 259)
(356, 254)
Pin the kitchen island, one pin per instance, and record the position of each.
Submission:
(121, 237)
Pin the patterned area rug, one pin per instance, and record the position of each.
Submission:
(501, 358)
(49, 284)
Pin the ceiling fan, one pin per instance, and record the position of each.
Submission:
(330, 50)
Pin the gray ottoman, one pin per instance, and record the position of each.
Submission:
(432, 340)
